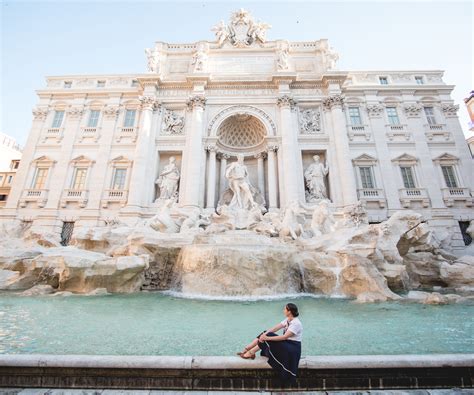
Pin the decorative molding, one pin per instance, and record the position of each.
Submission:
(405, 159)
(75, 112)
(273, 147)
(111, 111)
(364, 159)
(374, 110)
(260, 155)
(196, 101)
(446, 159)
(334, 101)
(211, 148)
(412, 110)
(450, 110)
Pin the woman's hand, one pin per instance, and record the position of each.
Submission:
(263, 337)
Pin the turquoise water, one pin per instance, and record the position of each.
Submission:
(157, 324)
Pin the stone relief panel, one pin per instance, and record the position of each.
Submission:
(173, 123)
(310, 121)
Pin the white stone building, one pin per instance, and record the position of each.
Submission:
(98, 142)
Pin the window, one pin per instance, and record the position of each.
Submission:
(119, 179)
(407, 175)
(40, 178)
(449, 176)
(93, 119)
(419, 80)
(383, 80)
(79, 180)
(10, 178)
(393, 116)
(1, 179)
(66, 232)
(3, 198)
(366, 177)
(354, 115)
(58, 119)
(16, 164)
(429, 112)
(134, 83)
(67, 84)
(100, 84)
(129, 119)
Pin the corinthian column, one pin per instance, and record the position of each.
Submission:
(289, 149)
(193, 153)
(224, 158)
(349, 190)
(140, 159)
(211, 176)
(272, 178)
(261, 173)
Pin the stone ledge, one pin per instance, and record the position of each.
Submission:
(219, 362)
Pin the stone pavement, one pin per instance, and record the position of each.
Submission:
(43, 391)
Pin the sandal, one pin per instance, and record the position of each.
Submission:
(242, 352)
(252, 356)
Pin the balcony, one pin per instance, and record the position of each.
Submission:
(436, 132)
(398, 132)
(53, 133)
(358, 131)
(40, 196)
(372, 195)
(450, 195)
(409, 195)
(114, 196)
(74, 195)
(128, 133)
(89, 133)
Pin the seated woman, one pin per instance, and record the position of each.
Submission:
(283, 351)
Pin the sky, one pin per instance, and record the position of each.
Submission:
(47, 38)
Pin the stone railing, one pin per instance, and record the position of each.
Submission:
(372, 195)
(53, 133)
(74, 195)
(354, 131)
(90, 132)
(34, 195)
(409, 195)
(452, 194)
(398, 132)
(114, 196)
(128, 132)
(435, 131)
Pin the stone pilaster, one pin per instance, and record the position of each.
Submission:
(193, 172)
(334, 104)
(211, 177)
(272, 177)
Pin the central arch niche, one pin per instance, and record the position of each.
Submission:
(241, 132)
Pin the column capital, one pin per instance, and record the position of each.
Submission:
(374, 110)
(450, 110)
(333, 101)
(286, 101)
(272, 147)
(223, 155)
(40, 113)
(211, 148)
(260, 155)
(149, 103)
(196, 101)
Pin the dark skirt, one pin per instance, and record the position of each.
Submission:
(283, 356)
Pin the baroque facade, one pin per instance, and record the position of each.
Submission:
(112, 147)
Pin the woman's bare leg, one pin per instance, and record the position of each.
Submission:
(252, 350)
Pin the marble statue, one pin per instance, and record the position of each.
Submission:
(168, 181)
(174, 123)
(237, 176)
(195, 221)
(222, 32)
(200, 58)
(154, 60)
(354, 215)
(290, 224)
(283, 57)
(162, 220)
(322, 220)
(332, 57)
(314, 176)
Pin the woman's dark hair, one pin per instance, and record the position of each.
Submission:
(291, 307)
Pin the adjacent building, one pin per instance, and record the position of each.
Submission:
(10, 154)
(98, 143)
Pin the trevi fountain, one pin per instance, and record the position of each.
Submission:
(275, 225)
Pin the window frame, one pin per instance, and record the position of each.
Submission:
(419, 80)
(126, 123)
(392, 117)
(352, 116)
(58, 121)
(383, 80)
(83, 183)
(363, 179)
(453, 176)
(412, 175)
(430, 118)
(34, 183)
(91, 118)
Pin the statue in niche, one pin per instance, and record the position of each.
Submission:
(168, 181)
(237, 175)
(153, 59)
(314, 176)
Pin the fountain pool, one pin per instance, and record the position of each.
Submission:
(159, 324)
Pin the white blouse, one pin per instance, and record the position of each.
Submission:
(295, 327)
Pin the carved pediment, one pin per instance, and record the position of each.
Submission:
(120, 160)
(405, 158)
(446, 158)
(82, 160)
(364, 159)
(44, 161)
